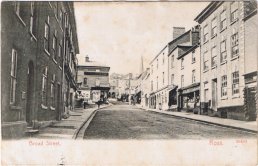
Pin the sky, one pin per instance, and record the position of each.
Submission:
(119, 33)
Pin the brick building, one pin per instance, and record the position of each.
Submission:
(223, 59)
(34, 36)
(93, 80)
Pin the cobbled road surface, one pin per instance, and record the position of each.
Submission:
(130, 122)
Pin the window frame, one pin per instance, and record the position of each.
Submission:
(234, 44)
(223, 54)
(13, 75)
(233, 13)
(213, 32)
(214, 62)
(47, 36)
(223, 21)
(205, 61)
(235, 83)
(44, 86)
(224, 86)
(205, 33)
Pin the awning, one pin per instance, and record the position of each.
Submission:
(100, 88)
(191, 88)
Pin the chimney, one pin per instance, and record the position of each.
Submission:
(87, 59)
(178, 31)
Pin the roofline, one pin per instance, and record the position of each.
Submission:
(179, 37)
(207, 11)
(158, 53)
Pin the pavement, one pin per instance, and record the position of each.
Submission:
(68, 128)
(236, 124)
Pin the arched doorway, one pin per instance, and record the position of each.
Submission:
(30, 88)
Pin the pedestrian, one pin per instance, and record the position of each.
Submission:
(84, 104)
(98, 103)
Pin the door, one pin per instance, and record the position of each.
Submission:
(214, 95)
(30, 88)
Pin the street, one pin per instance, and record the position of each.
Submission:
(129, 122)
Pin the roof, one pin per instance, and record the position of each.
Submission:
(207, 11)
(187, 51)
(92, 64)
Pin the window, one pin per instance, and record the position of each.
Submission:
(205, 61)
(163, 78)
(193, 76)
(55, 45)
(235, 82)
(61, 17)
(85, 81)
(13, 76)
(157, 63)
(234, 45)
(33, 19)
(20, 10)
(182, 63)
(44, 86)
(151, 69)
(97, 82)
(152, 85)
(223, 51)
(182, 80)
(157, 82)
(163, 58)
(224, 86)
(46, 35)
(233, 9)
(214, 27)
(55, 8)
(223, 21)
(52, 90)
(205, 33)
(172, 79)
(172, 61)
(214, 56)
(193, 56)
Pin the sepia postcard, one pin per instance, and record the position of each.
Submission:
(117, 83)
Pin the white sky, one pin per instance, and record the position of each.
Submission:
(119, 33)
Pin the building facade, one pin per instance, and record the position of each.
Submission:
(182, 60)
(33, 64)
(159, 80)
(93, 80)
(223, 59)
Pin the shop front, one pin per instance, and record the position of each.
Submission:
(189, 98)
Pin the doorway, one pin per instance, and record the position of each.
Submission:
(58, 102)
(214, 95)
(30, 88)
